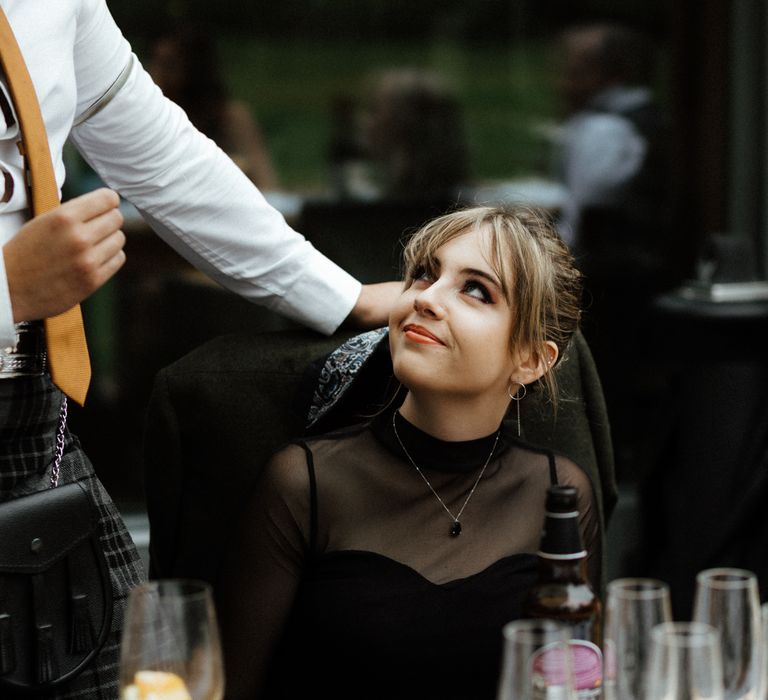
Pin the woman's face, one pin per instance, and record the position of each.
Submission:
(450, 330)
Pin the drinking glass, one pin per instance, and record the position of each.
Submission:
(728, 599)
(685, 663)
(170, 643)
(763, 692)
(537, 662)
(634, 607)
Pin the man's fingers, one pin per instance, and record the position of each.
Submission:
(112, 265)
(104, 225)
(92, 204)
(60, 257)
(93, 276)
(108, 247)
(73, 228)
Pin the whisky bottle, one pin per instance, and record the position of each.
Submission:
(563, 592)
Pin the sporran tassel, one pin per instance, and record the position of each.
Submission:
(81, 636)
(47, 668)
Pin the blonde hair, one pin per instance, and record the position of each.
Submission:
(538, 274)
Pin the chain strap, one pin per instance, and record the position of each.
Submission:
(59, 450)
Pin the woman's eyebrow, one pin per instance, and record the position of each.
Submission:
(430, 263)
(481, 273)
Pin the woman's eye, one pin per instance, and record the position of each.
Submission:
(421, 274)
(478, 290)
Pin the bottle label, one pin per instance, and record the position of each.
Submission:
(587, 662)
(548, 673)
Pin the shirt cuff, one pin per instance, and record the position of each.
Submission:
(322, 296)
(7, 327)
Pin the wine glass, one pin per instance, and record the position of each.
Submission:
(634, 607)
(537, 661)
(728, 599)
(685, 663)
(170, 643)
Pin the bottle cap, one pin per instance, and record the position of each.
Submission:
(561, 538)
(562, 499)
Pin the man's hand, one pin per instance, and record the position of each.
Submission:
(59, 258)
(374, 304)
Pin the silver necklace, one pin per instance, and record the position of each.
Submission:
(455, 530)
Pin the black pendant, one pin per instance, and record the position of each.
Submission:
(455, 528)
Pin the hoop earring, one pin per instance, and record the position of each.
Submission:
(517, 398)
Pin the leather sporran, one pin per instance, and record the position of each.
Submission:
(55, 592)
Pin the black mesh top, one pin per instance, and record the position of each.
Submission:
(346, 582)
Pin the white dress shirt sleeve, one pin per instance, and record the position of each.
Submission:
(601, 153)
(192, 194)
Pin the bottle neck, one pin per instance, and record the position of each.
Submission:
(561, 552)
(561, 538)
(562, 570)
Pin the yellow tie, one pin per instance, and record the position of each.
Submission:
(68, 360)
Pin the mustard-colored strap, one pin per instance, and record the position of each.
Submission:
(68, 359)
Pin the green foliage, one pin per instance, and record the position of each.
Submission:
(505, 92)
(289, 59)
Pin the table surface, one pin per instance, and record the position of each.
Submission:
(720, 305)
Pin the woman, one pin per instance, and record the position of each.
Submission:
(383, 560)
(415, 134)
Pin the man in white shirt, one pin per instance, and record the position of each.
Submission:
(609, 150)
(143, 147)
(92, 90)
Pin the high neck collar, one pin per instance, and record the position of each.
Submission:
(429, 452)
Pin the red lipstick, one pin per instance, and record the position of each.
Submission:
(419, 334)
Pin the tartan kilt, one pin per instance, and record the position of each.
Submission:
(29, 411)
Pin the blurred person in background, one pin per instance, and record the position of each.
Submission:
(414, 134)
(347, 159)
(611, 150)
(613, 159)
(184, 62)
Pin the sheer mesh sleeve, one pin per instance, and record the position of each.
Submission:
(572, 475)
(262, 571)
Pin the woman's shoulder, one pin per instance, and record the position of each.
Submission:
(297, 459)
(570, 473)
(286, 472)
(565, 470)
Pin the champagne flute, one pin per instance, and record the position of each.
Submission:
(685, 663)
(537, 662)
(170, 648)
(728, 599)
(634, 607)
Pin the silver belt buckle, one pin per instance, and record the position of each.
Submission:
(27, 358)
